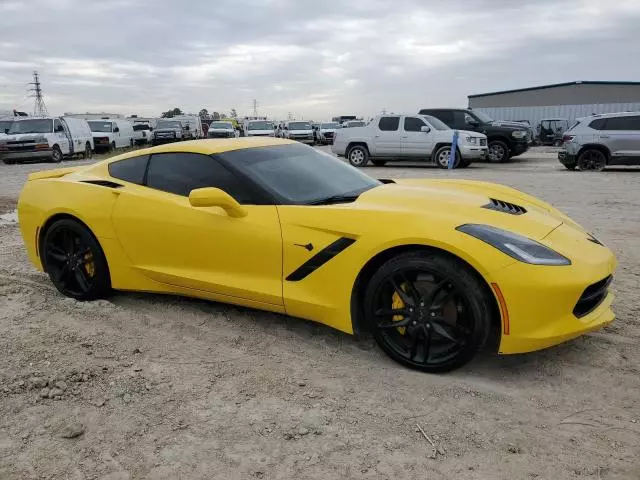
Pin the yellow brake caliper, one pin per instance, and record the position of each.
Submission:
(89, 266)
(397, 304)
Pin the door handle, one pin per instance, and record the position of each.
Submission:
(405, 136)
(376, 136)
(605, 136)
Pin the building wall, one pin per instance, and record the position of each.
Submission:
(570, 112)
(578, 94)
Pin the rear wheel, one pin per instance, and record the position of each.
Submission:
(428, 311)
(442, 156)
(498, 151)
(74, 261)
(358, 156)
(87, 151)
(592, 160)
(131, 143)
(56, 154)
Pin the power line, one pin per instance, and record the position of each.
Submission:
(39, 108)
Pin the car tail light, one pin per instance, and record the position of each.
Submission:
(567, 138)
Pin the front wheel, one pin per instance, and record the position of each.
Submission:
(498, 151)
(56, 154)
(428, 311)
(358, 156)
(87, 151)
(112, 148)
(74, 261)
(442, 156)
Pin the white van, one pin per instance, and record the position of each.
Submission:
(194, 122)
(49, 138)
(142, 132)
(5, 124)
(259, 128)
(112, 133)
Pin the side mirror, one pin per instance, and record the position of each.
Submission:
(286, 128)
(214, 197)
(151, 129)
(116, 129)
(6, 131)
(473, 123)
(425, 129)
(59, 128)
(187, 127)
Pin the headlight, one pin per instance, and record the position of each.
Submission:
(519, 134)
(516, 246)
(472, 140)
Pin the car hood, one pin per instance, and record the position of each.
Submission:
(328, 130)
(301, 132)
(466, 201)
(220, 130)
(512, 125)
(260, 132)
(166, 130)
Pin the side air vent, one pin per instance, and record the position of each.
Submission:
(505, 207)
(103, 183)
(386, 180)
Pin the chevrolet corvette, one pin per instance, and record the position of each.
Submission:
(433, 268)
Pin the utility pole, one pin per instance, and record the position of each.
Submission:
(39, 108)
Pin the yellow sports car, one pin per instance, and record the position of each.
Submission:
(433, 269)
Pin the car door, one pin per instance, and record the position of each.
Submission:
(621, 135)
(415, 142)
(386, 140)
(172, 242)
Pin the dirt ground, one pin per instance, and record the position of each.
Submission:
(157, 387)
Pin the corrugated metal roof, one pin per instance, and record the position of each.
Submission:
(554, 85)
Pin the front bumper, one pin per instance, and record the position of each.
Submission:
(163, 140)
(308, 141)
(469, 152)
(566, 158)
(30, 155)
(541, 300)
(518, 148)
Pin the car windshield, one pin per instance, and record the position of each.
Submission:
(31, 126)
(260, 126)
(225, 125)
(298, 174)
(299, 126)
(5, 125)
(355, 124)
(169, 124)
(141, 126)
(330, 125)
(483, 116)
(100, 126)
(436, 123)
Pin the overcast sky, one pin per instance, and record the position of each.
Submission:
(314, 58)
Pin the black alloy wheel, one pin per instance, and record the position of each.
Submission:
(592, 161)
(74, 261)
(428, 311)
(498, 151)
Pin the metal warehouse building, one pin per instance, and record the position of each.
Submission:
(562, 100)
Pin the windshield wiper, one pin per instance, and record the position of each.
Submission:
(335, 199)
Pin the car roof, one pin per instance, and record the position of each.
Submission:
(609, 115)
(208, 146)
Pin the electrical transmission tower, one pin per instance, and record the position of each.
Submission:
(39, 108)
(255, 108)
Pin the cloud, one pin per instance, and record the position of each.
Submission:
(313, 59)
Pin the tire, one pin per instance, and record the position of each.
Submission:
(112, 147)
(74, 261)
(56, 154)
(426, 324)
(358, 156)
(498, 151)
(442, 156)
(570, 167)
(379, 163)
(87, 151)
(131, 143)
(591, 160)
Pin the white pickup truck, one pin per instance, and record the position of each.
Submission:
(407, 137)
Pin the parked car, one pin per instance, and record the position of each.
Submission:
(599, 141)
(326, 131)
(142, 133)
(354, 123)
(259, 128)
(407, 137)
(113, 133)
(551, 130)
(299, 131)
(194, 122)
(221, 130)
(5, 124)
(505, 141)
(46, 138)
(169, 130)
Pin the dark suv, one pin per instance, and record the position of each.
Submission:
(505, 141)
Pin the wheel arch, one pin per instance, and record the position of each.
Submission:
(595, 146)
(500, 138)
(356, 143)
(375, 262)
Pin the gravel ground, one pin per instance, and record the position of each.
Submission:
(147, 386)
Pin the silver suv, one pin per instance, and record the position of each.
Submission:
(598, 141)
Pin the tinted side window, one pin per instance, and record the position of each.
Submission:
(179, 173)
(56, 125)
(621, 123)
(389, 124)
(413, 124)
(130, 170)
(445, 116)
(598, 124)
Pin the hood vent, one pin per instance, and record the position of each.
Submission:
(505, 207)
